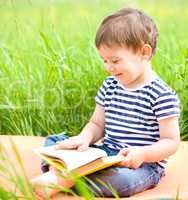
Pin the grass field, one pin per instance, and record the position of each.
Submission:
(50, 70)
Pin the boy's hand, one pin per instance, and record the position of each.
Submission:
(75, 142)
(134, 157)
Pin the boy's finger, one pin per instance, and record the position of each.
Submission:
(124, 151)
(82, 147)
(65, 145)
(126, 162)
(60, 144)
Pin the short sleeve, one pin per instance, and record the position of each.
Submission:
(100, 97)
(167, 105)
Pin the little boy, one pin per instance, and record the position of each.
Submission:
(136, 112)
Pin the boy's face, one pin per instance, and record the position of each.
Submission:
(127, 67)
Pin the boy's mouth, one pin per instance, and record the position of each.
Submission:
(118, 75)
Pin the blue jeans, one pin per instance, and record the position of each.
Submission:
(123, 180)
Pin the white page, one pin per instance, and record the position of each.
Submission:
(73, 158)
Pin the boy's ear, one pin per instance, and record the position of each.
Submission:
(146, 51)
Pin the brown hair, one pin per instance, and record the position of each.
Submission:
(127, 27)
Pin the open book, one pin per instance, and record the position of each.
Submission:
(83, 163)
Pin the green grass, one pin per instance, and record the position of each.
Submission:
(50, 70)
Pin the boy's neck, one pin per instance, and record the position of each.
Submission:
(147, 76)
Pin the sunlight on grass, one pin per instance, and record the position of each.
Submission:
(50, 70)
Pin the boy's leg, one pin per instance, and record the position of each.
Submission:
(125, 181)
(42, 183)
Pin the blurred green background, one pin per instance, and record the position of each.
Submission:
(50, 70)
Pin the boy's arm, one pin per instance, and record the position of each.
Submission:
(91, 133)
(166, 146)
(94, 129)
(168, 143)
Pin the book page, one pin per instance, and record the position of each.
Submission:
(73, 158)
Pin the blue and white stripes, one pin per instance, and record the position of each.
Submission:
(132, 116)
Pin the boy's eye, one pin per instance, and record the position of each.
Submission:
(115, 61)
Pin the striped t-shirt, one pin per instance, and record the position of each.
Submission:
(132, 116)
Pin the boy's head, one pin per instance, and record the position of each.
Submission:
(128, 28)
